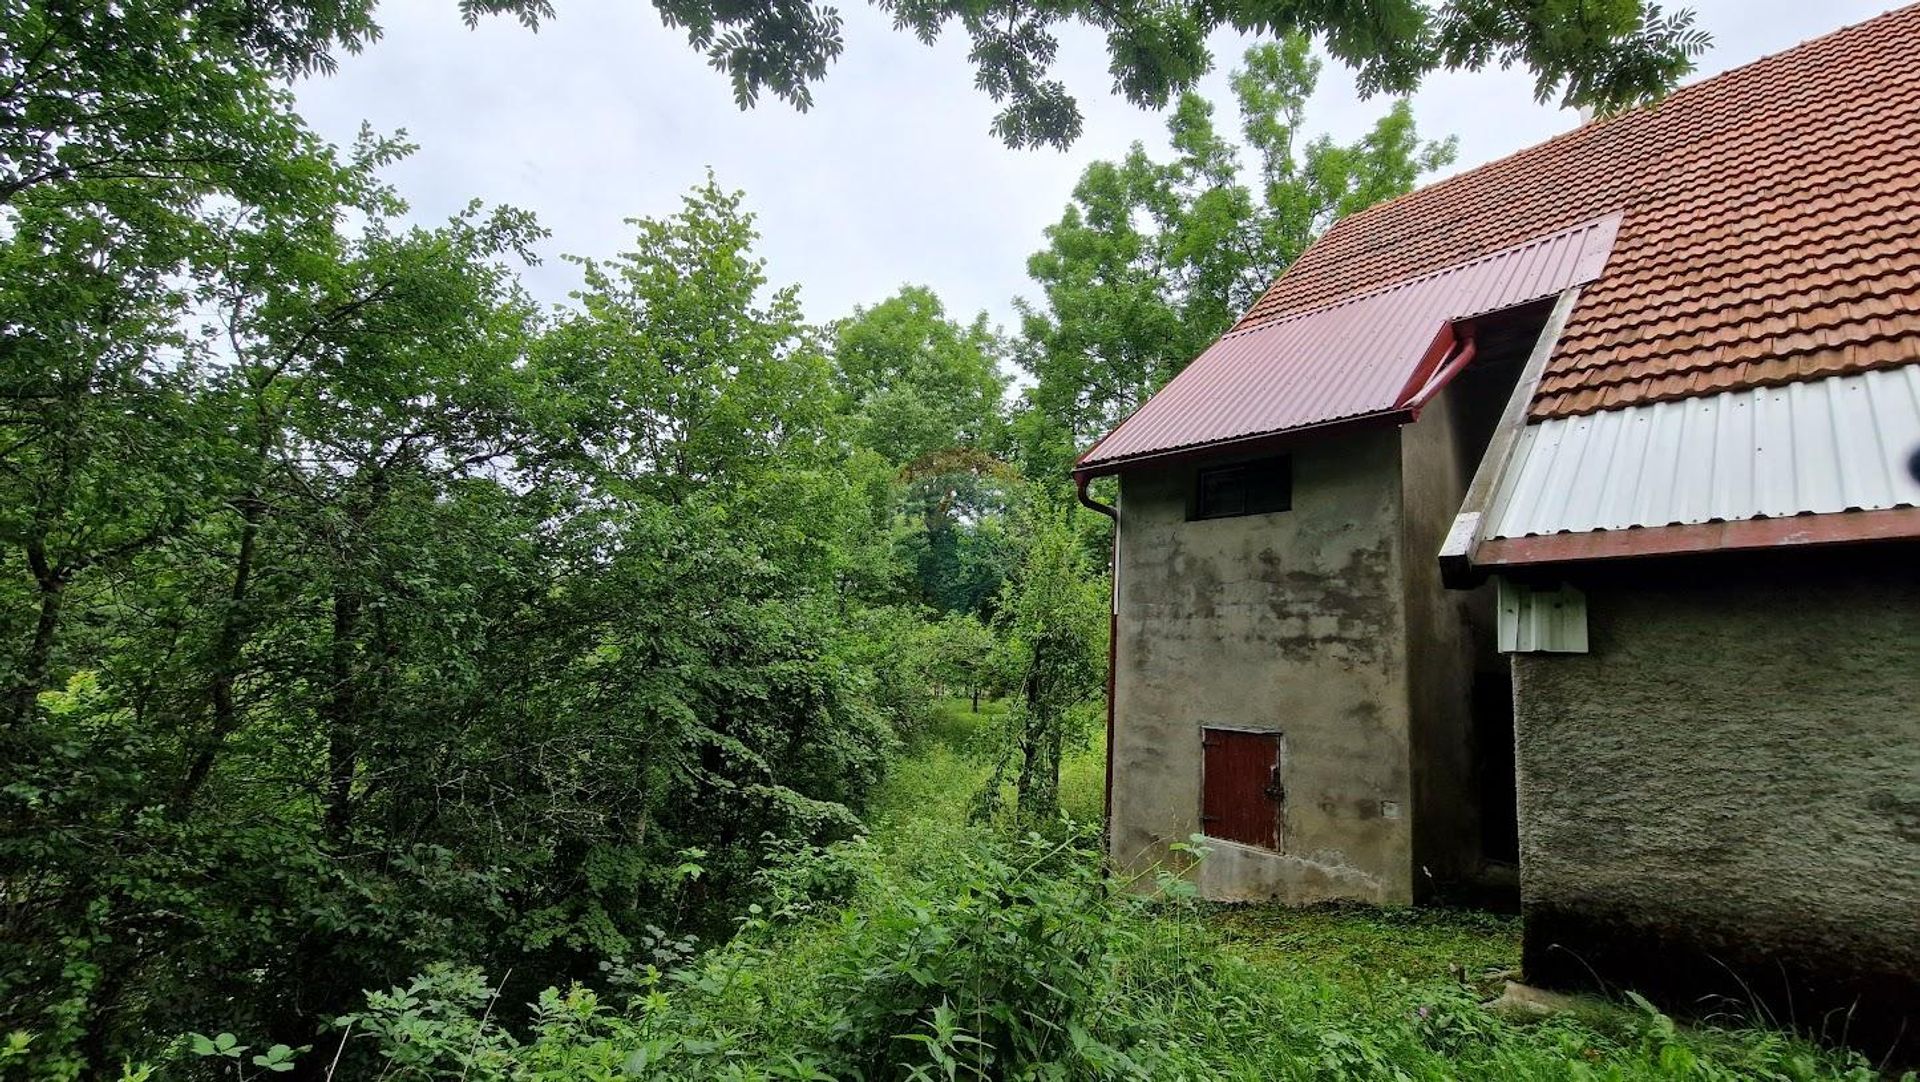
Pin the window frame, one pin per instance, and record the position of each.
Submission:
(1198, 509)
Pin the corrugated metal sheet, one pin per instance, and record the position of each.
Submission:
(1821, 446)
(1362, 356)
(1536, 621)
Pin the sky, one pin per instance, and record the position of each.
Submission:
(892, 178)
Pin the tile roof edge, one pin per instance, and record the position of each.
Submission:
(1366, 213)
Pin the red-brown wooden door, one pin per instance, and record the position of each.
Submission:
(1241, 793)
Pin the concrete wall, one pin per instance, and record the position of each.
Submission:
(1730, 783)
(1292, 622)
(1441, 650)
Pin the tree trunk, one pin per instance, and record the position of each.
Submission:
(52, 582)
(225, 662)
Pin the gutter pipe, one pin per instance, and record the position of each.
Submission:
(1113, 636)
(1462, 357)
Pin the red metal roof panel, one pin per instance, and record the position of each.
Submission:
(1365, 355)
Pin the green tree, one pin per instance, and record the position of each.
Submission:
(918, 382)
(1153, 260)
(1053, 637)
(927, 394)
(391, 622)
(1603, 53)
(963, 655)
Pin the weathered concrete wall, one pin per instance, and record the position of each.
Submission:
(1730, 783)
(1441, 654)
(1291, 622)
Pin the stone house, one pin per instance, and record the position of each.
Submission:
(1556, 521)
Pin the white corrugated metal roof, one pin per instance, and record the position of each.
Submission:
(1827, 445)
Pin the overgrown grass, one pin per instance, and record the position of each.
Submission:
(1364, 943)
(931, 788)
(940, 948)
(1340, 969)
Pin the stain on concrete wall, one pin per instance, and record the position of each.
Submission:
(1290, 622)
(1728, 784)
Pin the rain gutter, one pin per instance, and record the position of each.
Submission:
(1259, 441)
(1080, 482)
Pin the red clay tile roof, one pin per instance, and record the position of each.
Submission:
(1771, 228)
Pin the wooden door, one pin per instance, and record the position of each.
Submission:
(1241, 792)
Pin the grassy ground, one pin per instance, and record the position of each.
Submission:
(1347, 977)
(946, 765)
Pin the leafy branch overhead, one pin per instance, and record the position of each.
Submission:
(1604, 54)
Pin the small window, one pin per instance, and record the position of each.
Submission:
(1242, 798)
(1244, 488)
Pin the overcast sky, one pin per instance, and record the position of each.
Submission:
(893, 177)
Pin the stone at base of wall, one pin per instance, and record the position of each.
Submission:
(1831, 1000)
(1524, 1002)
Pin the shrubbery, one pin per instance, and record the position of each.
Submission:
(1009, 958)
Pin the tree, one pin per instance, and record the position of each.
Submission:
(926, 392)
(919, 383)
(1053, 634)
(1153, 260)
(356, 615)
(1608, 54)
(963, 655)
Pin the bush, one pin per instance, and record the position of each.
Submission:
(998, 958)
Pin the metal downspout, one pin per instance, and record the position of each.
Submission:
(1462, 357)
(1113, 637)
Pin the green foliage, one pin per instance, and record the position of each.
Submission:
(363, 625)
(924, 393)
(1017, 958)
(1053, 637)
(355, 615)
(963, 656)
(919, 384)
(1610, 54)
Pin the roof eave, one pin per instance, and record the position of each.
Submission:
(1259, 441)
(1742, 535)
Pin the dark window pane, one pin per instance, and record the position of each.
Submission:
(1245, 488)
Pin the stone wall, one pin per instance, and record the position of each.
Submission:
(1723, 797)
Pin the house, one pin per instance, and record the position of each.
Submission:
(1575, 484)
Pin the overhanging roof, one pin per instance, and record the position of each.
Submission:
(1642, 480)
(1368, 356)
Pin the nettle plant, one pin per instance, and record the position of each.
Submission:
(228, 1057)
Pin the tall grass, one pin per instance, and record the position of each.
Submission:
(939, 948)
